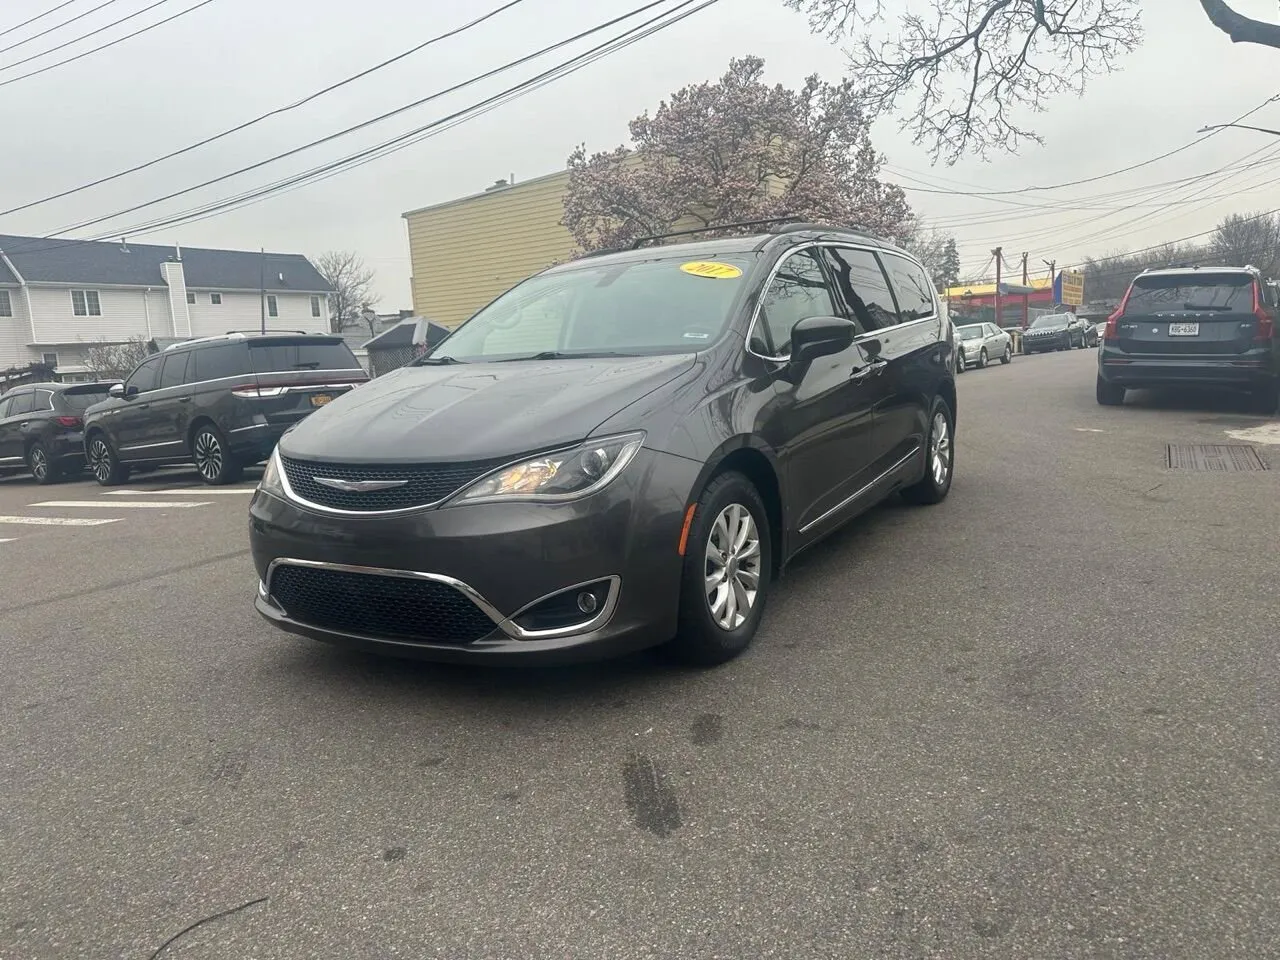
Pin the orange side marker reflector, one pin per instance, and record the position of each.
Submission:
(684, 531)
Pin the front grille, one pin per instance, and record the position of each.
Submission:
(426, 483)
(378, 606)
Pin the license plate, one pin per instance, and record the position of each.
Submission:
(320, 399)
(1184, 329)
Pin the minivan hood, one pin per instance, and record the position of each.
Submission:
(477, 411)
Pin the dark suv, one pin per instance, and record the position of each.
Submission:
(218, 402)
(621, 451)
(42, 428)
(1209, 326)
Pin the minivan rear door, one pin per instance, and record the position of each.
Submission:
(296, 376)
(1194, 314)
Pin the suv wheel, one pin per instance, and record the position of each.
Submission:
(104, 463)
(1110, 394)
(726, 573)
(940, 465)
(212, 456)
(42, 469)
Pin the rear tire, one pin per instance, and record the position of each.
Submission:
(982, 359)
(104, 463)
(1110, 394)
(43, 470)
(729, 547)
(212, 456)
(940, 462)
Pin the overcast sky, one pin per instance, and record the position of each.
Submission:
(233, 59)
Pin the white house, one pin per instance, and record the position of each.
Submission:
(58, 297)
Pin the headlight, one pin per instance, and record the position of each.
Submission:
(564, 475)
(270, 482)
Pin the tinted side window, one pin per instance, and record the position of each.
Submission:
(21, 404)
(915, 295)
(44, 401)
(862, 286)
(6, 406)
(175, 369)
(214, 363)
(798, 291)
(144, 378)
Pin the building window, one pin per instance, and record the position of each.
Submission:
(50, 360)
(85, 303)
(315, 306)
(6, 304)
(191, 297)
(215, 299)
(273, 308)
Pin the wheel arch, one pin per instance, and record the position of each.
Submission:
(759, 465)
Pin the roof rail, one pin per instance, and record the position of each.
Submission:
(641, 241)
(261, 331)
(797, 225)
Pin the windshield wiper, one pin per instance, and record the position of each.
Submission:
(563, 355)
(441, 361)
(1204, 306)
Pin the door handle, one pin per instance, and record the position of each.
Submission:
(871, 369)
(184, 399)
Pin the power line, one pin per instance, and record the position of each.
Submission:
(49, 30)
(39, 16)
(271, 113)
(104, 46)
(363, 124)
(84, 36)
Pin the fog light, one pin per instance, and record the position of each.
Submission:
(568, 609)
(587, 602)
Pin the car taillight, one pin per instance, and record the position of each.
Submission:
(1112, 330)
(68, 421)
(1266, 325)
(256, 393)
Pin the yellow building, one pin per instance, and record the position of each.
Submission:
(466, 252)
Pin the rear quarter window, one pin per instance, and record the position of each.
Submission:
(83, 398)
(284, 357)
(220, 362)
(1224, 292)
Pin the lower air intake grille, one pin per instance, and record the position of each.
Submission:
(377, 606)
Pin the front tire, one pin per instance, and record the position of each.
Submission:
(104, 463)
(212, 456)
(940, 453)
(982, 359)
(1110, 394)
(1008, 354)
(727, 568)
(43, 470)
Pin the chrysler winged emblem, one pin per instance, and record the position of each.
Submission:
(359, 486)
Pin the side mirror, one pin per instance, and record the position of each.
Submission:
(815, 337)
(116, 390)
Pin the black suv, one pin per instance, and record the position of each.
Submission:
(621, 451)
(1209, 326)
(218, 402)
(1055, 331)
(42, 428)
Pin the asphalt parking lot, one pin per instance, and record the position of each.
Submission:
(1039, 720)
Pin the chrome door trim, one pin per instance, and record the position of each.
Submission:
(861, 491)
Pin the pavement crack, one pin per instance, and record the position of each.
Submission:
(203, 920)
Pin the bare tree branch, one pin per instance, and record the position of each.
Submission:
(115, 361)
(352, 284)
(1239, 28)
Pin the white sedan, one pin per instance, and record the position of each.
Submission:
(982, 343)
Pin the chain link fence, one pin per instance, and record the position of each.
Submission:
(382, 360)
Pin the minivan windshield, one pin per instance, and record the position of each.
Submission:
(667, 305)
(1176, 293)
(1052, 322)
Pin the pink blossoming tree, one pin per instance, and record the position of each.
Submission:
(733, 151)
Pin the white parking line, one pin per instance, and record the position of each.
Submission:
(227, 492)
(59, 521)
(7, 539)
(126, 504)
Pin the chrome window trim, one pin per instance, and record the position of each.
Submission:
(852, 245)
(504, 623)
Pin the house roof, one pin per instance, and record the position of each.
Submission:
(413, 331)
(40, 260)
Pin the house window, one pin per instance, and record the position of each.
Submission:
(85, 303)
(215, 299)
(50, 360)
(315, 306)
(191, 297)
(6, 304)
(273, 308)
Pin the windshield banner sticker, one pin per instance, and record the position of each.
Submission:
(711, 270)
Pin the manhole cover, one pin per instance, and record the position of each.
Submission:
(1214, 457)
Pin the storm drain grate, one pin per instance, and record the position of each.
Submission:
(1213, 457)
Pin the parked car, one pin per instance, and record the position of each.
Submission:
(981, 343)
(218, 402)
(622, 451)
(1092, 335)
(42, 428)
(1207, 326)
(955, 338)
(1054, 331)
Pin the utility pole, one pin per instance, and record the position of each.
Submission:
(998, 253)
(262, 287)
(1026, 297)
(1053, 278)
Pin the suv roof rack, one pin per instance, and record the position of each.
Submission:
(260, 332)
(796, 226)
(641, 241)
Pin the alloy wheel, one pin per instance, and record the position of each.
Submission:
(208, 455)
(39, 464)
(940, 449)
(100, 460)
(733, 566)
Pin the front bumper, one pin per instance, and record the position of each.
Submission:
(1136, 372)
(502, 558)
(1043, 344)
